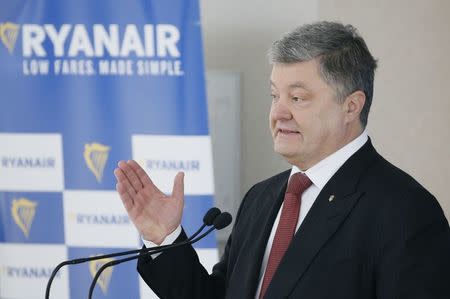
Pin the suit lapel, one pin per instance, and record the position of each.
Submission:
(248, 265)
(321, 222)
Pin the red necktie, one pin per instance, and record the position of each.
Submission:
(286, 227)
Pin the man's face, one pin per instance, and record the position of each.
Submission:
(307, 122)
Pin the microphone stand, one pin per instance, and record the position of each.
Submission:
(117, 262)
(221, 221)
(208, 219)
(99, 257)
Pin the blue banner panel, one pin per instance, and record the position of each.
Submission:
(28, 217)
(115, 282)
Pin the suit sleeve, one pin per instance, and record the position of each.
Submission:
(178, 272)
(415, 259)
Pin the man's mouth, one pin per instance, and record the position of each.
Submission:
(287, 132)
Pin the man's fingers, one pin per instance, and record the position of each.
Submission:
(124, 181)
(178, 186)
(131, 175)
(142, 175)
(127, 200)
(120, 176)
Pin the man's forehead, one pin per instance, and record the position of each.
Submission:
(296, 75)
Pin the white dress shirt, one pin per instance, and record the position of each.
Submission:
(319, 175)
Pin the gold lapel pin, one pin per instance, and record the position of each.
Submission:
(331, 198)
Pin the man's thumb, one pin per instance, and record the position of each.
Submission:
(178, 186)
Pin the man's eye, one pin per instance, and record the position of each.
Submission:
(274, 97)
(296, 99)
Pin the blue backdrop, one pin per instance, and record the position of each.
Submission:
(84, 84)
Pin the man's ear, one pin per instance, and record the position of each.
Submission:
(353, 105)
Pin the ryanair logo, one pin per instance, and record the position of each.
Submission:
(101, 219)
(176, 165)
(28, 162)
(105, 278)
(95, 156)
(28, 272)
(71, 49)
(23, 211)
(8, 34)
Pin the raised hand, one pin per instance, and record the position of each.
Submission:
(154, 213)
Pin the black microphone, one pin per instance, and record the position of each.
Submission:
(208, 220)
(223, 220)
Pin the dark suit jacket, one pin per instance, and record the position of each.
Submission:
(383, 236)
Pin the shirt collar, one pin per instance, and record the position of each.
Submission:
(322, 172)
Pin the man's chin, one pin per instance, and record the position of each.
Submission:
(286, 152)
(289, 154)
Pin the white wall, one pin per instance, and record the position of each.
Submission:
(409, 122)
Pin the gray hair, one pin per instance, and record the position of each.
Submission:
(345, 61)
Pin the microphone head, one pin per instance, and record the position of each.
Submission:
(211, 215)
(223, 220)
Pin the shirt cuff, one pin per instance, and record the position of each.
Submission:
(167, 241)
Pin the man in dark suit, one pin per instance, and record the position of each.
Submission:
(342, 223)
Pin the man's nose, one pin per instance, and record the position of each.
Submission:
(280, 110)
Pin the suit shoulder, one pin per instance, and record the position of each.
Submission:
(385, 176)
(397, 193)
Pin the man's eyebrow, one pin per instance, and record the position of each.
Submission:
(297, 84)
